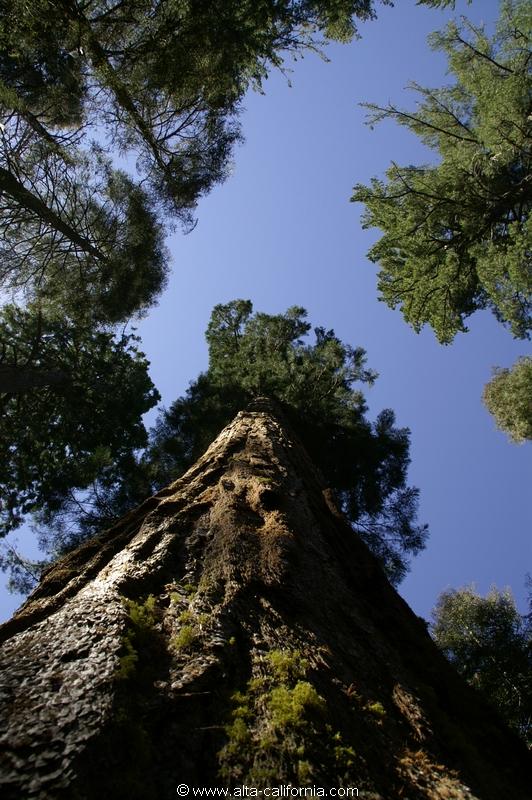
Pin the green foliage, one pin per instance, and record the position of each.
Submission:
(142, 615)
(165, 78)
(508, 396)
(127, 738)
(83, 240)
(127, 661)
(344, 755)
(59, 438)
(162, 82)
(40, 61)
(265, 354)
(79, 237)
(192, 625)
(490, 644)
(439, 3)
(457, 234)
(23, 572)
(288, 707)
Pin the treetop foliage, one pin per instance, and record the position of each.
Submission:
(252, 354)
(265, 354)
(439, 3)
(490, 644)
(508, 397)
(457, 233)
(56, 438)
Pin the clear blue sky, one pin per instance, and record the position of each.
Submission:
(281, 231)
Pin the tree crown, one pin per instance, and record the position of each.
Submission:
(508, 397)
(456, 235)
(490, 644)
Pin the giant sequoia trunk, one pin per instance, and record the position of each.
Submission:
(233, 630)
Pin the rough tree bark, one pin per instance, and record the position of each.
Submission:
(234, 630)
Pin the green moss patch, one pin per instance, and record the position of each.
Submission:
(137, 637)
(279, 729)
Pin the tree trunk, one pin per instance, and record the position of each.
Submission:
(14, 380)
(234, 630)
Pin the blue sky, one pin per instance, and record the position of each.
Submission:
(281, 231)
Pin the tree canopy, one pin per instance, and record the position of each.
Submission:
(72, 401)
(163, 78)
(158, 81)
(490, 644)
(79, 236)
(364, 463)
(457, 233)
(508, 397)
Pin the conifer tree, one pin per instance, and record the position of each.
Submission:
(457, 233)
(78, 235)
(253, 354)
(71, 401)
(163, 78)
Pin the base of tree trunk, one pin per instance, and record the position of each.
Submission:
(233, 631)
